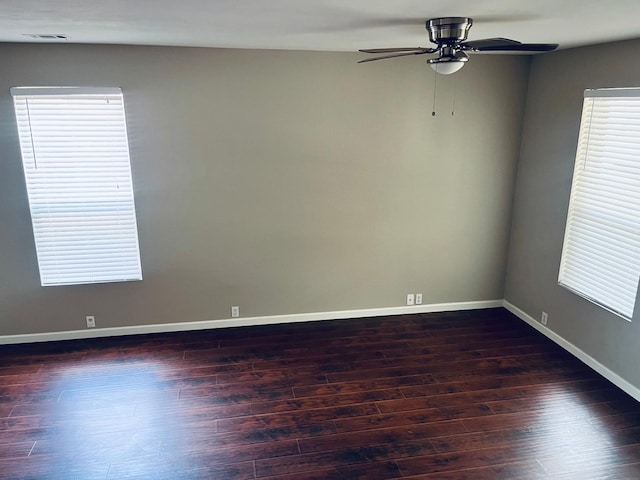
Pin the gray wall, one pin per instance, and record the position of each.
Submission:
(282, 182)
(550, 136)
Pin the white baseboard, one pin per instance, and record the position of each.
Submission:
(244, 322)
(575, 351)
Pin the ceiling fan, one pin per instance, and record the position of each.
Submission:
(450, 35)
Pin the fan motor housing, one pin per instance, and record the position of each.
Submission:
(447, 30)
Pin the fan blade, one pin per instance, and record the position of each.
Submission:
(489, 43)
(392, 50)
(419, 52)
(523, 47)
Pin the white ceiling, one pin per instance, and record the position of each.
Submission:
(334, 25)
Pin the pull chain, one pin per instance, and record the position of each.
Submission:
(435, 86)
(455, 90)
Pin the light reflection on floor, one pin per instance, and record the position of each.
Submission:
(113, 416)
(570, 438)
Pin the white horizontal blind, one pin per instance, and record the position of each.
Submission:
(75, 154)
(601, 252)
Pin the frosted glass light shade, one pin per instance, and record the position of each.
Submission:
(447, 68)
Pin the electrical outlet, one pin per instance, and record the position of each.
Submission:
(410, 299)
(544, 318)
(91, 321)
(235, 312)
(418, 299)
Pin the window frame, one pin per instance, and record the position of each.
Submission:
(601, 249)
(77, 166)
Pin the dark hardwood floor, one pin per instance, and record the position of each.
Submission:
(468, 395)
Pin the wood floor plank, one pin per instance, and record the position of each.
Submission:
(294, 375)
(18, 449)
(463, 460)
(317, 360)
(318, 416)
(399, 434)
(445, 396)
(361, 386)
(614, 422)
(604, 472)
(53, 468)
(368, 471)
(170, 470)
(596, 461)
(340, 458)
(526, 420)
(540, 436)
(530, 470)
(195, 410)
(412, 417)
(326, 401)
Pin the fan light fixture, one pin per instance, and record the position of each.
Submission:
(447, 68)
(450, 62)
(449, 34)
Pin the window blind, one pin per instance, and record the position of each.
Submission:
(601, 251)
(75, 154)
